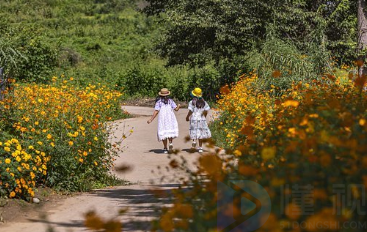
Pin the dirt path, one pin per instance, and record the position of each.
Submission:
(142, 152)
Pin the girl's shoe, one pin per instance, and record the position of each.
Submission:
(170, 147)
(193, 145)
(165, 151)
(200, 150)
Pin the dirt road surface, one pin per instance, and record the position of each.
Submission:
(143, 153)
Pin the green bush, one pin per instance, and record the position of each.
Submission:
(33, 59)
(280, 63)
(144, 81)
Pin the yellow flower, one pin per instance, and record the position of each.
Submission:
(12, 194)
(80, 119)
(71, 143)
(292, 131)
(292, 103)
(7, 149)
(40, 143)
(362, 121)
(49, 136)
(7, 161)
(313, 115)
(237, 153)
(268, 153)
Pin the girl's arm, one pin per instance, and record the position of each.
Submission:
(155, 113)
(188, 115)
(178, 107)
(206, 109)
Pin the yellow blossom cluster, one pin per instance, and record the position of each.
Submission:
(19, 167)
(60, 132)
(311, 139)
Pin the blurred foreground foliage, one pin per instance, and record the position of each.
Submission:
(311, 139)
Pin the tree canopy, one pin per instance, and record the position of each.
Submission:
(223, 29)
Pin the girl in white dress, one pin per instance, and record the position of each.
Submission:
(167, 122)
(198, 110)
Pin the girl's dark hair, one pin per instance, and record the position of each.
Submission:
(200, 103)
(194, 99)
(164, 99)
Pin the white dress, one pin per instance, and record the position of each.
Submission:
(198, 126)
(167, 122)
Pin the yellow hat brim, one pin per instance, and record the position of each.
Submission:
(196, 95)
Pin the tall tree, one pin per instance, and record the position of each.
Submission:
(215, 30)
(362, 36)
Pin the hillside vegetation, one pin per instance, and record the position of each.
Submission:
(93, 40)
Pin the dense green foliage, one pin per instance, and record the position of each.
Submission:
(203, 30)
(295, 36)
(95, 41)
(91, 40)
(112, 41)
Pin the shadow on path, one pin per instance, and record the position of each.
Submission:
(157, 151)
(143, 204)
(72, 224)
(191, 150)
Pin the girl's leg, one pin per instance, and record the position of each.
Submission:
(194, 143)
(165, 143)
(170, 144)
(200, 145)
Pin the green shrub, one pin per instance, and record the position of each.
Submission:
(280, 63)
(140, 80)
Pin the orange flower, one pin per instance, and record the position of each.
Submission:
(291, 103)
(12, 194)
(276, 74)
(210, 164)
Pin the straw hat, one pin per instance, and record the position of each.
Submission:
(197, 92)
(164, 92)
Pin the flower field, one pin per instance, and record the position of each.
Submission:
(55, 135)
(311, 141)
